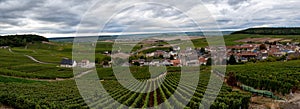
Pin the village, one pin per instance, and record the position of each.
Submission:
(176, 56)
(253, 50)
(268, 51)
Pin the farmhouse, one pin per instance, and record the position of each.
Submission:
(86, 64)
(68, 63)
(4, 47)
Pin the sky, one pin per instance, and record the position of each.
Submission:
(62, 18)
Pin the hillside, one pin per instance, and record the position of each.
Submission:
(270, 31)
(20, 40)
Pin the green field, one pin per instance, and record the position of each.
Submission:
(16, 64)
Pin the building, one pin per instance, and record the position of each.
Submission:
(154, 63)
(158, 53)
(141, 62)
(175, 62)
(4, 47)
(202, 60)
(86, 64)
(176, 48)
(166, 63)
(68, 63)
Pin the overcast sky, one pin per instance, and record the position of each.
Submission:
(58, 18)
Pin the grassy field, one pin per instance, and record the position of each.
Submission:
(230, 39)
(16, 64)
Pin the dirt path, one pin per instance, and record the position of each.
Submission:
(35, 60)
(82, 74)
(163, 75)
(10, 50)
(30, 57)
(296, 98)
(5, 107)
(51, 80)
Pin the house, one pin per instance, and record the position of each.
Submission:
(68, 63)
(4, 47)
(175, 62)
(293, 55)
(245, 56)
(263, 54)
(140, 61)
(166, 55)
(202, 60)
(192, 63)
(106, 52)
(166, 63)
(86, 64)
(150, 54)
(278, 54)
(174, 53)
(154, 63)
(241, 48)
(176, 48)
(158, 53)
(83, 63)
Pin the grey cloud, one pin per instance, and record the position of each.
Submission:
(236, 2)
(62, 17)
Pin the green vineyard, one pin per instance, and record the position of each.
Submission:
(279, 77)
(22, 93)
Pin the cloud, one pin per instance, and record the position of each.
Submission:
(63, 17)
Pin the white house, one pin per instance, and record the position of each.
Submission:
(86, 64)
(68, 63)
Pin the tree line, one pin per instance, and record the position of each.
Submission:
(271, 31)
(20, 40)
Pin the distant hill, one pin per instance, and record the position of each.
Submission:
(270, 31)
(20, 40)
(112, 37)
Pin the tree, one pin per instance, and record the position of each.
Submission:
(97, 60)
(142, 57)
(270, 59)
(171, 57)
(209, 62)
(263, 47)
(283, 57)
(105, 62)
(136, 64)
(253, 60)
(202, 50)
(232, 60)
(161, 56)
(231, 79)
